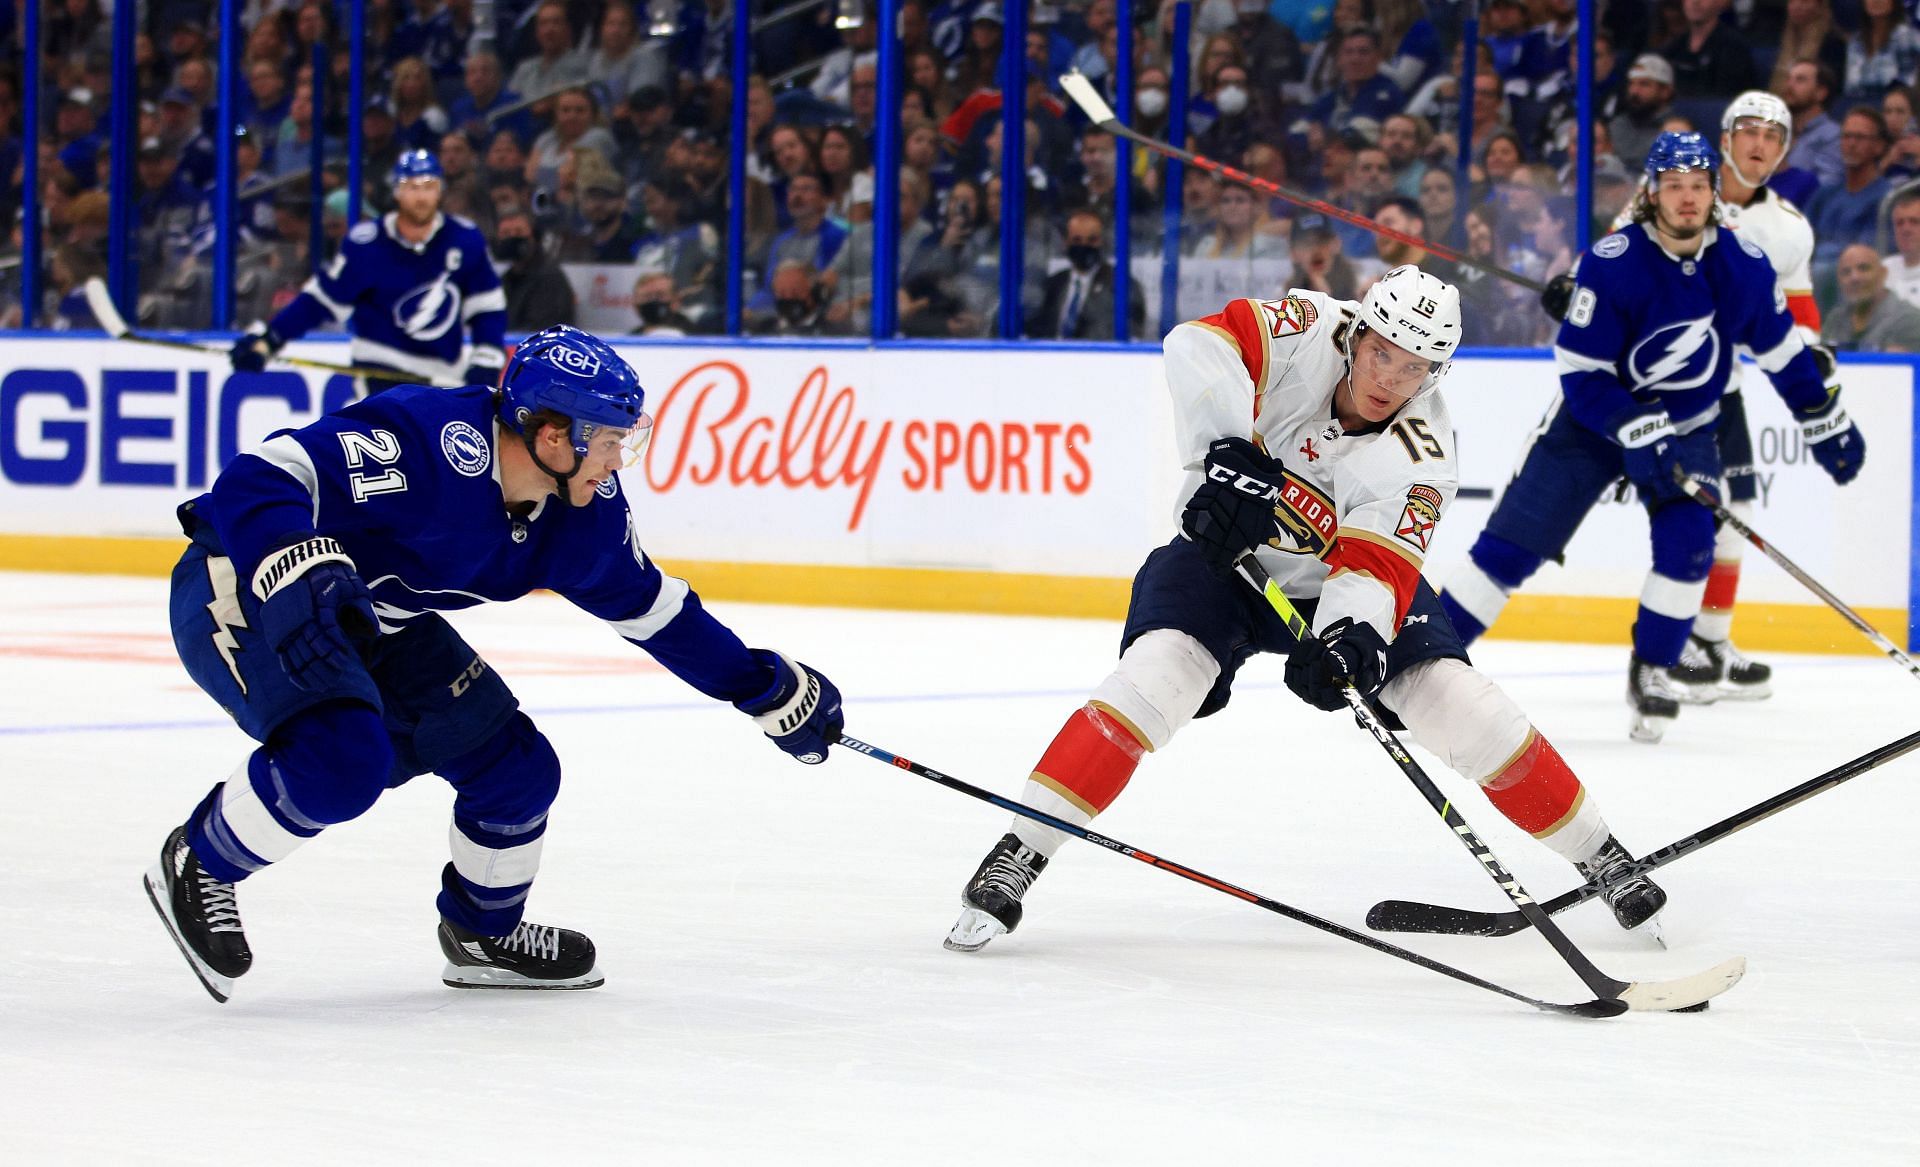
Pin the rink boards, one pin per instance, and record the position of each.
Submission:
(1028, 479)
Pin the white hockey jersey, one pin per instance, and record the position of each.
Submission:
(1359, 510)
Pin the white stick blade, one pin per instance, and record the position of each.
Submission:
(1666, 996)
(1087, 97)
(100, 302)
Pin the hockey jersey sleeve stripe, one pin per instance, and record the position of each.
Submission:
(1565, 360)
(1804, 308)
(493, 301)
(290, 457)
(312, 288)
(1776, 358)
(666, 606)
(1239, 325)
(1367, 553)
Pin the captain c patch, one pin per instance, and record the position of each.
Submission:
(1288, 317)
(1420, 516)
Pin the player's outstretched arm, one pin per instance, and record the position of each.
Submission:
(327, 297)
(1807, 377)
(799, 711)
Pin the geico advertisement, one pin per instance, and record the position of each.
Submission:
(1046, 462)
(1855, 539)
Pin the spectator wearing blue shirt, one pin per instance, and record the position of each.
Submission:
(476, 112)
(1847, 212)
(1364, 91)
(813, 239)
(1816, 136)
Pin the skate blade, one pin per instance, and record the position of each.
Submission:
(218, 986)
(972, 931)
(1648, 729)
(1758, 692)
(1702, 694)
(461, 976)
(1653, 930)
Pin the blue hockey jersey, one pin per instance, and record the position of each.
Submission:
(1648, 333)
(408, 306)
(408, 482)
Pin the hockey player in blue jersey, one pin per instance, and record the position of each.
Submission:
(1644, 353)
(410, 286)
(308, 602)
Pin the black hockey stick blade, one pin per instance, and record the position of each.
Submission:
(1610, 1006)
(1414, 916)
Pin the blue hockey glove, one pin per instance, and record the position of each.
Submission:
(1650, 451)
(482, 373)
(1232, 511)
(801, 712)
(1833, 442)
(250, 352)
(1348, 652)
(315, 611)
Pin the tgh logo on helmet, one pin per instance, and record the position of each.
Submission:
(573, 360)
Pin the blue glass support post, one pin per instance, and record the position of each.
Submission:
(356, 101)
(1013, 166)
(1123, 173)
(224, 203)
(1583, 124)
(317, 158)
(1469, 64)
(30, 240)
(1173, 192)
(737, 148)
(886, 178)
(123, 128)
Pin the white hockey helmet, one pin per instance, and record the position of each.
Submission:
(1755, 105)
(1417, 311)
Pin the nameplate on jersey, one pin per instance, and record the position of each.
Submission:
(1419, 517)
(1307, 519)
(1289, 317)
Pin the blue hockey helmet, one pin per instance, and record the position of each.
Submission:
(576, 374)
(1682, 150)
(414, 164)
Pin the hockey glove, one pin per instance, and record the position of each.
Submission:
(1232, 511)
(1650, 451)
(1557, 295)
(801, 712)
(315, 611)
(1833, 441)
(251, 351)
(486, 365)
(1349, 652)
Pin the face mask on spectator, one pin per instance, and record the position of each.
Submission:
(1151, 102)
(653, 311)
(1231, 100)
(1083, 256)
(512, 250)
(793, 311)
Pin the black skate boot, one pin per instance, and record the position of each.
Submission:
(1696, 679)
(1654, 698)
(201, 916)
(532, 956)
(1633, 897)
(991, 901)
(1734, 676)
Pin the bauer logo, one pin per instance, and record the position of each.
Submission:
(573, 360)
(466, 449)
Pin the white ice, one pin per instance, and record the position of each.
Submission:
(776, 989)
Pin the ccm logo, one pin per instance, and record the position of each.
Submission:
(1244, 484)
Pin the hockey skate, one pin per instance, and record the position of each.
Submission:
(1723, 672)
(201, 916)
(1634, 898)
(991, 902)
(1654, 698)
(532, 956)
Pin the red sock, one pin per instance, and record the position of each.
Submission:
(1723, 582)
(1536, 791)
(1091, 759)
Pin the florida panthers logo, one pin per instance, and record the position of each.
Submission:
(1307, 519)
(428, 311)
(1683, 355)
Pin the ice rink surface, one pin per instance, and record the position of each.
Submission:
(776, 989)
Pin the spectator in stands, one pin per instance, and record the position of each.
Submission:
(846, 174)
(1495, 312)
(1845, 212)
(379, 141)
(1816, 136)
(607, 233)
(463, 193)
(857, 46)
(575, 126)
(1405, 138)
(1491, 112)
(1711, 59)
(1870, 318)
(979, 64)
(621, 63)
(812, 240)
(179, 130)
(419, 122)
(1885, 51)
(644, 131)
(1077, 303)
(684, 247)
(1409, 45)
(1808, 35)
(1647, 104)
(657, 306)
(1317, 263)
(66, 307)
(266, 103)
(538, 293)
(940, 298)
(1440, 207)
(1236, 216)
(479, 112)
(1903, 157)
(559, 65)
(1404, 216)
(796, 304)
(1500, 161)
(1504, 25)
(1363, 91)
(293, 140)
(1199, 210)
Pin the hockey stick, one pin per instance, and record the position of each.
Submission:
(100, 300)
(1413, 916)
(1604, 1007)
(1684, 993)
(1705, 498)
(1096, 108)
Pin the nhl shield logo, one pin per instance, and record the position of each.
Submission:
(466, 449)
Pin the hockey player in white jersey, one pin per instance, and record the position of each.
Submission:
(1315, 441)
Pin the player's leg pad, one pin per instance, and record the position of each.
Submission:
(1478, 590)
(504, 791)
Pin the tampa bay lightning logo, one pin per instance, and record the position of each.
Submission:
(1683, 355)
(607, 489)
(466, 448)
(1611, 246)
(428, 311)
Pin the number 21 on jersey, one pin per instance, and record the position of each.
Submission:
(370, 460)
